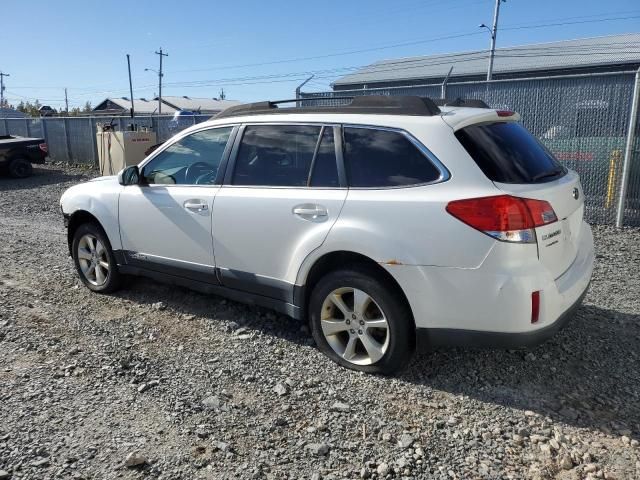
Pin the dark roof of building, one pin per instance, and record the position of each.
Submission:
(11, 113)
(140, 105)
(563, 55)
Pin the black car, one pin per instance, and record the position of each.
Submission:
(18, 153)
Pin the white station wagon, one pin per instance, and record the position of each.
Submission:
(389, 224)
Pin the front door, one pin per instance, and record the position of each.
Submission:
(165, 222)
(281, 197)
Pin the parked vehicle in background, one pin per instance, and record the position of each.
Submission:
(18, 153)
(389, 224)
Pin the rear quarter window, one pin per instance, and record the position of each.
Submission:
(507, 153)
(377, 158)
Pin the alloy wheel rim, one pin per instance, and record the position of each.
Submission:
(355, 326)
(93, 260)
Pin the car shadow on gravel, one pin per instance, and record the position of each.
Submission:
(588, 375)
(41, 177)
(218, 311)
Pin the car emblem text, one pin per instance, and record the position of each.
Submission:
(576, 193)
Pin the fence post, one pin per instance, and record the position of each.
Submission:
(65, 123)
(6, 127)
(94, 147)
(43, 127)
(628, 151)
(27, 123)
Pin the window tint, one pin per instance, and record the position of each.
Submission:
(325, 168)
(507, 153)
(275, 155)
(382, 158)
(194, 160)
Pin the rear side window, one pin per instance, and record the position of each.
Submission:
(384, 158)
(507, 153)
(276, 155)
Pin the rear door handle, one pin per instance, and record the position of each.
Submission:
(310, 211)
(196, 205)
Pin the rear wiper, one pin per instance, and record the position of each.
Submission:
(549, 173)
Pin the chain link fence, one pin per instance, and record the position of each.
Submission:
(73, 139)
(583, 119)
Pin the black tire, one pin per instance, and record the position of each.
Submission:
(20, 167)
(401, 327)
(113, 279)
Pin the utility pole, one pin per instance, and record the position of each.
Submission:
(160, 80)
(130, 84)
(2, 75)
(494, 34)
(66, 101)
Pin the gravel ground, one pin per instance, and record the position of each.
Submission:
(161, 382)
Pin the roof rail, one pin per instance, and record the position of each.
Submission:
(371, 104)
(460, 102)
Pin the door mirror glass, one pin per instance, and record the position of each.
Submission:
(129, 176)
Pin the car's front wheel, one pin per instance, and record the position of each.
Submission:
(94, 259)
(362, 322)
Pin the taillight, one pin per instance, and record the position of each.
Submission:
(44, 147)
(504, 217)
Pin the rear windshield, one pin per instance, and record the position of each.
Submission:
(507, 153)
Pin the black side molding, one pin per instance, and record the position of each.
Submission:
(230, 293)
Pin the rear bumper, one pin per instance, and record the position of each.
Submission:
(430, 338)
(491, 305)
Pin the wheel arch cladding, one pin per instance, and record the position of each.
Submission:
(340, 260)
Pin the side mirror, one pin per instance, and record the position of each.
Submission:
(129, 175)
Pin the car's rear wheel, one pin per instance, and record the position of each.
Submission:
(361, 322)
(20, 167)
(94, 259)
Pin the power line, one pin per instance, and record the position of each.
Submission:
(412, 62)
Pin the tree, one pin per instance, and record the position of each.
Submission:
(87, 107)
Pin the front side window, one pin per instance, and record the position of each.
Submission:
(193, 160)
(384, 158)
(276, 155)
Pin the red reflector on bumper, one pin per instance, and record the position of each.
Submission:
(535, 306)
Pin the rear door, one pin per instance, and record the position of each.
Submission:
(520, 165)
(281, 195)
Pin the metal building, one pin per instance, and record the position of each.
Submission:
(614, 53)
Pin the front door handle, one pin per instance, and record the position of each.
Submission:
(310, 211)
(196, 205)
